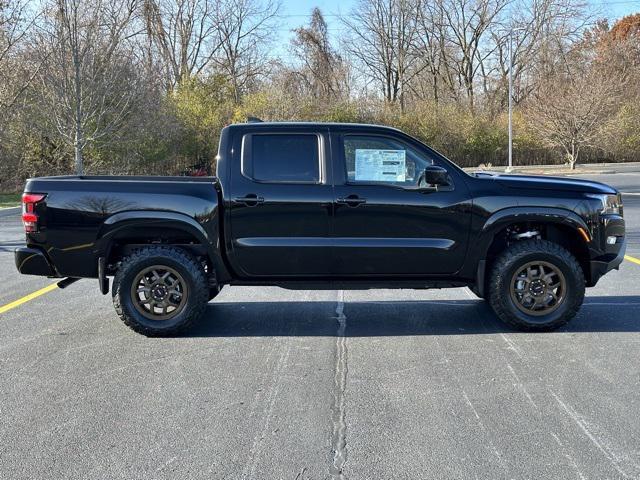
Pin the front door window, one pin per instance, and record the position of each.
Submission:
(373, 160)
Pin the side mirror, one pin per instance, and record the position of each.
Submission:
(434, 175)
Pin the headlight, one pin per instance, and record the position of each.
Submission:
(611, 204)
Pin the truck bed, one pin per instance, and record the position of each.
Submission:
(79, 212)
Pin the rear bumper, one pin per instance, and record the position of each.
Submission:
(31, 261)
(606, 263)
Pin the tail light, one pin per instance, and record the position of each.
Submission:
(29, 215)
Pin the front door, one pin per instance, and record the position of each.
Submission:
(280, 208)
(383, 224)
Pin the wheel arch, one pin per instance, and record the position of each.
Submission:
(558, 225)
(153, 227)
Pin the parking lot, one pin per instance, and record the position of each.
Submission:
(299, 385)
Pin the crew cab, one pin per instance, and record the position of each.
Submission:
(324, 206)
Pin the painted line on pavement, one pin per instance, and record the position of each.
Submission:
(27, 298)
(632, 259)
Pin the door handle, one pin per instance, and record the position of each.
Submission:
(352, 200)
(250, 200)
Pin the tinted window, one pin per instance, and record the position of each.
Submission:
(283, 158)
(382, 160)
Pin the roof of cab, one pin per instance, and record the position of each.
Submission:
(336, 125)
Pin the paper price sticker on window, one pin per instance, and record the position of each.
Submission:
(380, 165)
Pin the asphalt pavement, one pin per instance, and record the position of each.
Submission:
(383, 384)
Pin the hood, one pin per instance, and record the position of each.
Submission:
(531, 182)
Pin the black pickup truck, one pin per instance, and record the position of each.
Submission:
(324, 206)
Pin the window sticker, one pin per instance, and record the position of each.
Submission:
(380, 165)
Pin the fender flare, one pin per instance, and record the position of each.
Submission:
(123, 221)
(502, 218)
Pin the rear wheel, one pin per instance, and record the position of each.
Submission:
(160, 290)
(536, 285)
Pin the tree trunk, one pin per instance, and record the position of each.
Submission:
(77, 147)
(573, 158)
(436, 93)
(77, 141)
(78, 137)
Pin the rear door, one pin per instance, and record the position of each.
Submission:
(384, 225)
(281, 202)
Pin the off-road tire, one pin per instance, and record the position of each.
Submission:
(176, 258)
(518, 255)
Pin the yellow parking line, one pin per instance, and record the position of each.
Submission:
(632, 259)
(26, 298)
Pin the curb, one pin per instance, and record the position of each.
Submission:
(549, 173)
(574, 172)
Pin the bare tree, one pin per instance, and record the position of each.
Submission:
(244, 28)
(16, 72)
(572, 109)
(539, 29)
(323, 72)
(382, 34)
(87, 82)
(185, 34)
(430, 47)
(466, 26)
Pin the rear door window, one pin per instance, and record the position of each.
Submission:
(282, 158)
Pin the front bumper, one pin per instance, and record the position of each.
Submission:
(31, 261)
(608, 262)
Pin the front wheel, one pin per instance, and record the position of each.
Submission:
(160, 290)
(536, 285)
